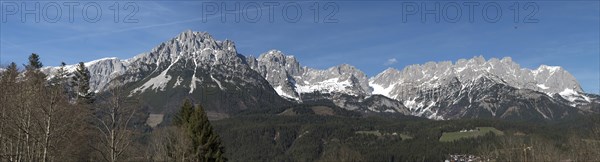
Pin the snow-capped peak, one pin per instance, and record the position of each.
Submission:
(543, 68)
(90, 63)
(291, 80)
(547, 79)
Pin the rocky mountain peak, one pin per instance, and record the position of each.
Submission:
(191, 41)
(382, 79)
(290, 80)
(276, 59)
(191, 36)
(506, 60)
(272, 55)
(193, 63)
(345, 68)
(197, 47)
(390, 70)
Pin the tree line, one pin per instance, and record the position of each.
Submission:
(56, 117)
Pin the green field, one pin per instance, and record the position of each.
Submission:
(379, 134)
(376, 133)
(480, 131)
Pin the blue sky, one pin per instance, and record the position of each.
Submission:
(369, 35)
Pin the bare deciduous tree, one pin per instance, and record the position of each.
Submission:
(35, 115)
(113, 121)
(169, 144)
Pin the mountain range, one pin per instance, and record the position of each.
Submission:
(195, 65)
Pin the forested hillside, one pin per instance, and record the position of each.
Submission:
(311, 137)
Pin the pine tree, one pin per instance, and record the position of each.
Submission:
(183, 117)
(206, 143)
(32, 100)
(60, 76)
(34, 62)
(11, 73)
(33, 69)
(81, 79)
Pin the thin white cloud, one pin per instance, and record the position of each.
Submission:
(391, 61)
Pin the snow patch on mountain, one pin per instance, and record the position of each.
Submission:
(100, 60)
(218, 82)
(194, 80)
(193, 83)
(568, 94)
(379, 89)
(572, 95)
(159, 82)
(178, 82)
(327, 86)
(282, 93)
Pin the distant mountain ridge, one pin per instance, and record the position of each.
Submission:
(195, 65)
(547, 79)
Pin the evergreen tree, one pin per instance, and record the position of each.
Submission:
(61, 79)
(206, 143)
(11, 73)
(61, 75)
(81, 79)
(33, 69)
(183, 117)
(34, 62)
